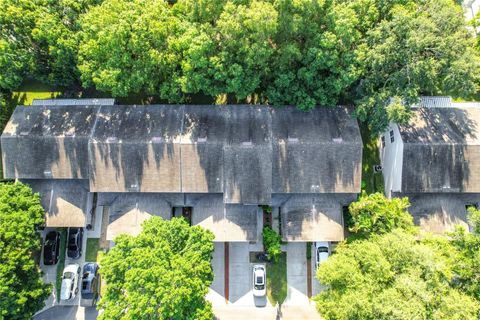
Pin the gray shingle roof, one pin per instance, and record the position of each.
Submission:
(245, 152)
(47, 142)
(318, 151)
(442, 150)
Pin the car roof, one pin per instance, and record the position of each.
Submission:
(71, 268)
(65, 290)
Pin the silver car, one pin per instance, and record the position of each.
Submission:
(259, 280)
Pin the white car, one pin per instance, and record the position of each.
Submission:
(259, 280)
(70, 277)
(322, 251)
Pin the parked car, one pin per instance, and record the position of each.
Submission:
(259, 280)
(90, 284)
(74, 249)
(51, 248)
(322, 252)
(70, 277)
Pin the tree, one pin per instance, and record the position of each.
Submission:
(391, 276)
(314, 61)
(272, 243)
(22, 290)
(17, 20)
(38, 39)
(376, 214)
(468, 260)
(127, 48)
(163, 273)
(423, 48)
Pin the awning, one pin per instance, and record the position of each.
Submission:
(229, 223)
(312, 218)
(64, 201)
(128, 211)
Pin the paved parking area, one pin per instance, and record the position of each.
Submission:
(217, 288)
(297, 274)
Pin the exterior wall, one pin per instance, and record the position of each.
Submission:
(471, 8)
(391, 157)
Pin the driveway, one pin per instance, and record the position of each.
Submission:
(297, 274)
(216, 292)
(68, 313)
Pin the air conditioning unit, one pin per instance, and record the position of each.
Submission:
(377, 168)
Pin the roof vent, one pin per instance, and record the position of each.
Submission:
(24, 133)
(68, 134)
(337, 140)
(247, 143)
(202, 140)
(292, 140)
(47, 173)
(112, 139)
(156, 140)
(134, 187)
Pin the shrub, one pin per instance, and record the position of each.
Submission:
(272, 243)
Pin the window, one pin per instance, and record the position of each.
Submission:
(392, 138)
(383, 141)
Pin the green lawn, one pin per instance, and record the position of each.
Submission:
(61, 260)
(92, 250)
(277, 280)
(371, 182)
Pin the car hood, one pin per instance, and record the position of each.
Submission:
(65, 291)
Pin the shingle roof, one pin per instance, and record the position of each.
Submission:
(64, 201)
(312, 218)
(245, 152)
(442, 150)
(47, 142)
(318, 151)
(439, 213)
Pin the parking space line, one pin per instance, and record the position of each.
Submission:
(226, 266)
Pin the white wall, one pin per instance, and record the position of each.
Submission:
(471, 8)
(391, 157)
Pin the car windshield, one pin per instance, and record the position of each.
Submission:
(68, 275)
(322, 249)
(259, 286)
(71, 244)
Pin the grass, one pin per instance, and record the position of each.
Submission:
(34, 90)
(277, 280)
(92, 249)
(61, 260)
(103, 283)
(371, 182)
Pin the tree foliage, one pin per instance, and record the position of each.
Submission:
(392, 276)
(272, 243)
(376, 214)
(163, 273)
(468, 260)
(39, 39)
(378, 54)
(423, 48)
(22, 290)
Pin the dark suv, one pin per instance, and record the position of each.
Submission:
(74, 249)
(51, 248)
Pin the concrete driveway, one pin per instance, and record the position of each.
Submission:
(67, 313)
(297, 274)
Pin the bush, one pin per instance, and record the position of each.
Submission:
(272, 243)
(376, 214)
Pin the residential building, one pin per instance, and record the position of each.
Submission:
(434, 159)
(213, 165)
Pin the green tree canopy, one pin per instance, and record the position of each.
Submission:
(424, 48)
(392, 276)
(22, 291)
(468, 261)
(163, 273)
(39, 39)
(376, 214)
